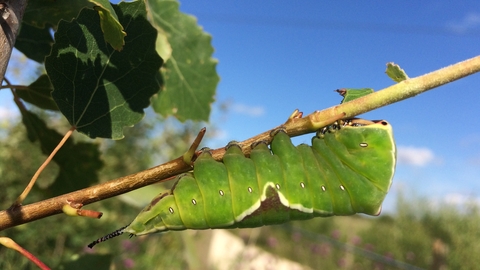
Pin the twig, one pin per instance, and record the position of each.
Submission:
(29, 187)
(9, 243)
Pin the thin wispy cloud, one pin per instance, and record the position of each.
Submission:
(253, 111)
(414, 156)
(461, 199)
(470, 22)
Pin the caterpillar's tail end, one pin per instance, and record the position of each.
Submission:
(108, 236)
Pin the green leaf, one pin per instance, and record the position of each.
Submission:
(40, 13)
(395, 72)
(352, 93)
(38, 94)
(189, 74)
(98, 89)
(163, 46)
(111, 27)
(79, 162)
(34, 42)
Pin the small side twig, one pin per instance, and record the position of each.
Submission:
(189, 156)
(9, 243)
(29, 187)
(74, 209)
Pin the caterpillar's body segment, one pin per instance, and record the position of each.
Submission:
(348, 169)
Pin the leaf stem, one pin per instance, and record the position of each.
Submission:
(189, 156)
(9, 243)
(29, 187)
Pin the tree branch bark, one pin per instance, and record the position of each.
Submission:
(11, 14)
(294, 126)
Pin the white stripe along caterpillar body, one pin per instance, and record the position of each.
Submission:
(348, 169)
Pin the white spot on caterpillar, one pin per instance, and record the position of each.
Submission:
(194, 202)
(323, 188)
(171, 210)
(302, 184)
(363, 144)
(342, 187)
(221, 192)
(277, 186)
(250, 189)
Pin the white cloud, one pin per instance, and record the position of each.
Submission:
(253, 111)
(455, 198)
(415, 156)
(461, 199)
(469, 22)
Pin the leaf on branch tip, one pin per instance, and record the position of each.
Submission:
(351, 93)
(111, 27)
(395, 72)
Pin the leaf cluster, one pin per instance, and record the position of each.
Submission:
(103, 68)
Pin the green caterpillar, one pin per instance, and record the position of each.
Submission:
(347, 170)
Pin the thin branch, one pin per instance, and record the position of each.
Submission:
(29, 187)
(16, 87)
(296, 125)
(9, 243)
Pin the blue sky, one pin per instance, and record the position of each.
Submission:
(277, 56)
